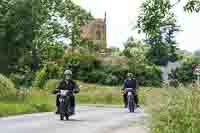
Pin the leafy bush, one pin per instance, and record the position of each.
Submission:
(81, 62)
(89, 69)
(95, 76)
(152, 76)
(7, 87)
(50, 71)
(81, 65)
(112, 80)
(184, 74)
(22, 79)
(54, 71)
(51, 84)
(41, 78)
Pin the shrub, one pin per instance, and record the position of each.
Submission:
(41, 78)
(54, 71)
(96, 76)
(152, 76)
(50, 71)
(81, 62)
(184, 74)
(7, 87)
(22, 79)
(51, 84)
(112, 80)
(88, 68)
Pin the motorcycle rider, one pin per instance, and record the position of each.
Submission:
(67, 84)
(130, 82)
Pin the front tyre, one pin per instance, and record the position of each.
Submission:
(131, 104)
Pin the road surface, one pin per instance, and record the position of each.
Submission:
(87, 120)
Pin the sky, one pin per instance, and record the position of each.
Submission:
(122, 18)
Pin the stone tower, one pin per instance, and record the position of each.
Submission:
(96, 32)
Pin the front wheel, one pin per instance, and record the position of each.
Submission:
(131, 104)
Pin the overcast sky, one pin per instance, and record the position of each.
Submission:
(122, 17)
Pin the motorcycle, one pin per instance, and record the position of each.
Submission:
(130, 98)
(65, 109)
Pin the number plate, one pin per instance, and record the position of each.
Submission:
(61, 100)
(129, 93)
(63, 92)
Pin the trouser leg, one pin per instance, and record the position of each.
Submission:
(57, 103)
(125, 100)
(136, 99)
(72, 103)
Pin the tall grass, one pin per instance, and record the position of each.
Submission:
(174, 110)
(7, 87)
(99, 94)
(36, 102)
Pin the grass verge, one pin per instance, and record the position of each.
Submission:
(173, 110)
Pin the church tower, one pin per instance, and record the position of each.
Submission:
(96, 31)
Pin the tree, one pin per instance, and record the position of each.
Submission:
(158, 22)
(135, 48)
(28, 27)
(192, 6)
(197, 55)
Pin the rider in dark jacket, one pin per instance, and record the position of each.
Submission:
(67, 84)
(130, 82)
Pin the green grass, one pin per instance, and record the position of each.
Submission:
(28, 104)
(173, 110)
(98, 94)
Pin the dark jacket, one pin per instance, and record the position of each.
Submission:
(70, 85)
(130, 84)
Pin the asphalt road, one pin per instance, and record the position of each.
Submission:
(87, 120)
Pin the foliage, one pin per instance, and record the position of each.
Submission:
(41, 78)
(81, 62)
(197, 55)
(192, 6)
(51, 84)
(147, 73)
(7, 87)
(174, 110)
(184, 74)
(22, 80)
(52, 52)
(135, 49)
(50, 71)
(20, 41)
(158, 22)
